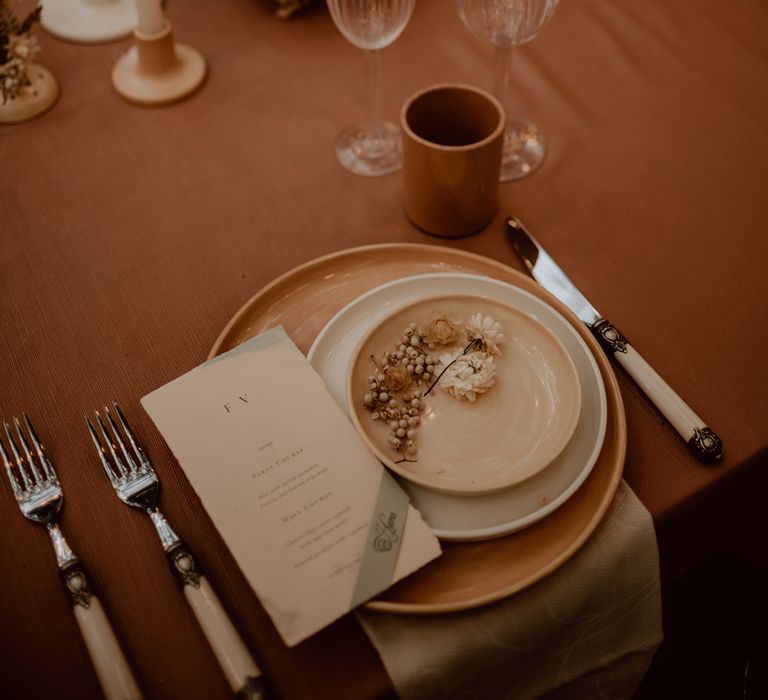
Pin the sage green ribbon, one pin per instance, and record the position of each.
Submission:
(385, 535)
(273, 336)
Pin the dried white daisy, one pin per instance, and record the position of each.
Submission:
(468, 375)
(486, 331)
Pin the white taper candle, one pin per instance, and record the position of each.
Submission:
(150, 14)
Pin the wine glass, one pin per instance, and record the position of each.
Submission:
(372, 148)
(505, 24)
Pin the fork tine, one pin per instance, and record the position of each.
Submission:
(143, 459)
(27, 451)
(112, 449)
(40, 450)
(116, 432)
(101, 452)
(8, 470)
(17, 458)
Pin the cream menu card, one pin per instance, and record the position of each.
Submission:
(312, 518)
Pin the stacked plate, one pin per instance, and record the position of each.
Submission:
(544, 446)
(494, 466)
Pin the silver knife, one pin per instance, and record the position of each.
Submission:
(702, 440)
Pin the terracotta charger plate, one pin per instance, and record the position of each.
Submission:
(468, 574)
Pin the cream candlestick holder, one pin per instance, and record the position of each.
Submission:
(157, 71)
(89, 21)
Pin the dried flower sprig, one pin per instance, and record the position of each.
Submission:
(470, 378)
(17, 48)
(407, 374)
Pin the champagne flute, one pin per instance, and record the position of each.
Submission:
(372, 148)
(505, 24)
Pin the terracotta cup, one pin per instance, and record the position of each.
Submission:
(452, 140)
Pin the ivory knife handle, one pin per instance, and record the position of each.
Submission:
(704, 442)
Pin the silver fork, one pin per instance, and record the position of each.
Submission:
(135, 482)
(39, 496)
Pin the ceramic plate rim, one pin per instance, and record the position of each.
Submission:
(502, 485)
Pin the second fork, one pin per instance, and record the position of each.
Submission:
(134, 480)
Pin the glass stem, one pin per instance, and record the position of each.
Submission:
(501, 80)
(374, 90)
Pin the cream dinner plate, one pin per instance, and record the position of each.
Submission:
(489, 515)
(516, 426)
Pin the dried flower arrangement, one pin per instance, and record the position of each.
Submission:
(17, 49)
(428, 356)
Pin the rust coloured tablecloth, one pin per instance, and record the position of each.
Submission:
(128, 238)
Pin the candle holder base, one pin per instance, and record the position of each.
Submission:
(38, 97)
(157, 71)
(89, 21)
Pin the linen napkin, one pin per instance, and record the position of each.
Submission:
(588, 630)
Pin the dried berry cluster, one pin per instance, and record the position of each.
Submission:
(395, 394)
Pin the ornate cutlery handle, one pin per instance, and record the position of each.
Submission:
(707, 446)
(112, 669)
(239, 667)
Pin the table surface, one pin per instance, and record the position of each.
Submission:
(130, 236)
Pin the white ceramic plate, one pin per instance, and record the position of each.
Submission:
(509, 433)
(488, 515)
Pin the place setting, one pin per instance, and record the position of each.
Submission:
(511, 457)
(511, 451)
(520, 465)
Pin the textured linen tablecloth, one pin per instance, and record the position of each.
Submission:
(129, 237)
(587, 631)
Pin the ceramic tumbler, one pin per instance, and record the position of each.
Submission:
(452, 141)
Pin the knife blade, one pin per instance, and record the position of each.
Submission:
(702, 440)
